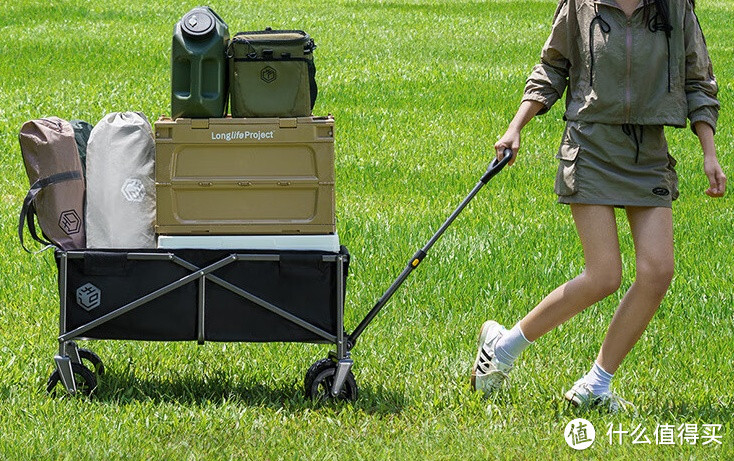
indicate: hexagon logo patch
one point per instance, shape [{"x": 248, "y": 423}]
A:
[
  {"x": 70, "y": 222},
  {"x": 133, "y": 190},
  {"x": 88, "y": 296},
  {"x": 268, "y": 74}
]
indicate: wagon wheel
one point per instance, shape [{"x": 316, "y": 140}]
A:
[
  {"x": 83, "y": 377},
  {"x": 93, "y": 359},
  {"x": 320, "y": 379}
]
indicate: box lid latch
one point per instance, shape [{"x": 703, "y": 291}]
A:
[
  {"x": 200, "y": 123},
  {"x": 288, "y": 122}
]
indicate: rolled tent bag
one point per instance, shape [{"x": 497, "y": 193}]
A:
[
  {"x": 56, "y": 196},
  {"x": 120, "y": 182}
]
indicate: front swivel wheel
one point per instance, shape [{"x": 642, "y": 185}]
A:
[
  {"x": 93, "y": 359},
  {"x": 84, "y": 379},
  {"x": 319, "y": 382}
]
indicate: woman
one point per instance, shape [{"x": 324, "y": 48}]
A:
[{"x": 628, "y": 67}]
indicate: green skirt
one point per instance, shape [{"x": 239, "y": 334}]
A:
[{"x": 618, "y": 165}]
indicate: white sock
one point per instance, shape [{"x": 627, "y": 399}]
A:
[
  {"x": 510, "y": 345},
  {"x": 598, "y": 379}
]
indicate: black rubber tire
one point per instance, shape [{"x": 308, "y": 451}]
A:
[
  {"x": 96, "y": 363},
  {"x": 320, "y": 378},
  {"x": 314, "y": 371},
  {"x": 85, "y": 380}
]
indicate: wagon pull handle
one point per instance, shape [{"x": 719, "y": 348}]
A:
[{"x": 494, "y": 167}]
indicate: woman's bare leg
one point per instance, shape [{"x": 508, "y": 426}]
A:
[
  {"x": 597, "y": 229},
  {"x": 652, "y": 232}
]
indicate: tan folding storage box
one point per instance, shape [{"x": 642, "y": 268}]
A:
[{"x": 245, "y": 176}]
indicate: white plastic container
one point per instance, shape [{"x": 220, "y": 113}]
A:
[{"x": 323, "y": 242}]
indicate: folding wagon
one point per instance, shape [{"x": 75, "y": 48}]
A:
[{"x": 216, "y": 295}]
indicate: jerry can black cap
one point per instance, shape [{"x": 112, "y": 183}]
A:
[{"x": 198, "y": 22}]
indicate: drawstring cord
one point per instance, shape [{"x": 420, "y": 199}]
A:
[
  {"x": 631, "y": 131},
  {"x": 656, "y": 25},
  {"x": 606, "y": 28}
]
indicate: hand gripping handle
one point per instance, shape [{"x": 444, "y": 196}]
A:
[{"x": 496, "y": 166}]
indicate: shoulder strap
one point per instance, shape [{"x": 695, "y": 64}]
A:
[{"x": 29, "y": 209}]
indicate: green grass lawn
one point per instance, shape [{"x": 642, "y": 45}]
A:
[{"x": 420, "y": 91}]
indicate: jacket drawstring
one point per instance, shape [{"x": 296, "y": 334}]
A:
[
  {"x": 631, "y": 131},
  {"x": 655, "y": 25},
  {"x": 606, "y": 28}
]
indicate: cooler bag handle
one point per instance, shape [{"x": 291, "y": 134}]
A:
[
  {"x": 239, "y": 37},
  {"x": 29, "y": 209}
]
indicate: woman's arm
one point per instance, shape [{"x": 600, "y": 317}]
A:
[
  {"x": 511, "y": 139},
  {"x": 549, "y": 78},
  {"x": 714, "y": 173},
  {"x": 700, "y": 84},
  {"x": 546, "y": 83}
]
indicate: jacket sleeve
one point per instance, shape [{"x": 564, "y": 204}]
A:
[
  {"x": 700, "y": 84},
  {"x": 549, "y": 78}
]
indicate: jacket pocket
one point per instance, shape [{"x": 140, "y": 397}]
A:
[{"x": 566, "y": 180}]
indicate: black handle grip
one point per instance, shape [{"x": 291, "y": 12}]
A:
[{"x": 496, "y": 165}]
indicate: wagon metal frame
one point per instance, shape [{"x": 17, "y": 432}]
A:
[
  {"x": 329, "y": 378},
  {"x": 69, "y": 353}
]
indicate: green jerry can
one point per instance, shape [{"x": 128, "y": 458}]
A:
[{"x": 199, "y": 65}]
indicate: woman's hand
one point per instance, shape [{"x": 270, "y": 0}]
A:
[
  {"x": 717, "y": 179},
  {"x": 510, "y": 140},
  {"x": 714, "y": 173}
]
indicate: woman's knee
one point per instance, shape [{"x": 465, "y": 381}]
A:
[
  {"x": 656, "y": 273},
  {"x": 603, "y": 283}
]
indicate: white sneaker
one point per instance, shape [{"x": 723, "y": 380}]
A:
[
  {"x": 580, "y": 395},
  {"x": 488, "y": 374}
]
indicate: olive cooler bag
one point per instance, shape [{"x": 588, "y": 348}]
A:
[{"x": 272, "y": 74}]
